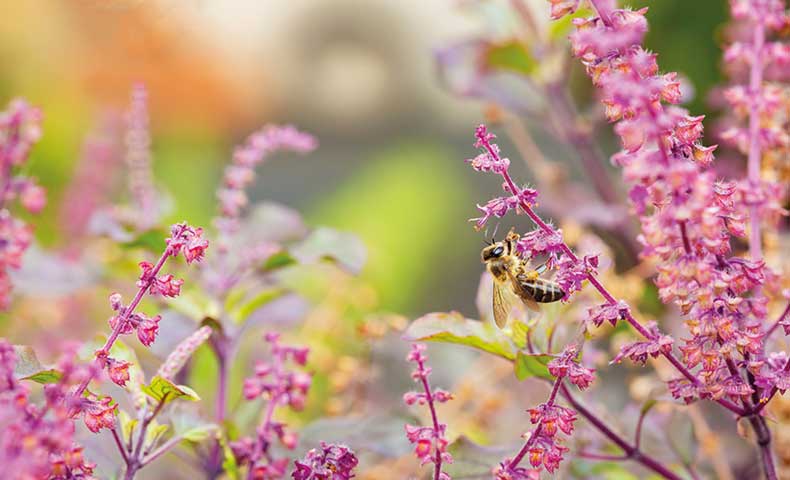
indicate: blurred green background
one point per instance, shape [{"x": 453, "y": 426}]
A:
[{"x": 359, "y": 75}]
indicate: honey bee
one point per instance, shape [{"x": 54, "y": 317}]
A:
[{"x": 510, "y": 270}]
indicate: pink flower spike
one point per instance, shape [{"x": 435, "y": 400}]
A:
[
  {"x": 280, "y": 386},
  {"x": 430, "y": 443}
]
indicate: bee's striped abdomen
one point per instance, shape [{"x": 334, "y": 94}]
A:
[{"x": 543, "y": 291}]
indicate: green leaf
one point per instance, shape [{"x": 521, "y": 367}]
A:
[
  {"x": 259, "y": 300},
  {"x": 454, "y": 328},
  {"x": 162, "y": 389},
  {"x": 529, "y": 365},
  {"x": 45, "y": 376},
  {"x": 278, "y": 260},
  {"x": 511, "y": 55}
]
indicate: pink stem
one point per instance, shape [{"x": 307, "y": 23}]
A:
[{"x": 437, "y": 471}]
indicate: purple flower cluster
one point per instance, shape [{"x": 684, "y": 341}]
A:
[
  {"x": 241, "y": 172},
  {"x": 543, "y": 447},
  {"x": 36, "y": 441},
  {"x": 430, "y": 442},
  {"x": 758, "y": 110},
  {"x": 280, "y": 386},
  {"x": 687, "y": 215},
  {"x": 330, "y": 462},
  {"x": 100, "y": 412},
  {"x": 489, "y": 160},
  {"x": 20, "y": 129},
  {"x": 226, "y": 270}
]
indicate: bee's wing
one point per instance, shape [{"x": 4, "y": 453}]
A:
[
  {"x": 523, "y": 294},
  {"x": 502, "y": 305}
]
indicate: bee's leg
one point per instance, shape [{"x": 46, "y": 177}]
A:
[{"x": 532, "y": 275}]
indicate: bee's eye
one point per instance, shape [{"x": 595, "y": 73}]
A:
[{"x": 498, "y": 251}]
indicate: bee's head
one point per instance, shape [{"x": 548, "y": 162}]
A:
[{"x": 493, "y": 251}]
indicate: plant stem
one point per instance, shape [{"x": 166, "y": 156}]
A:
[
  {"x": 437, "y": 462},
  {"x": 764, "y": 444},
  {"x": 632, "y": 452},
  {"x": 120, "y": 445}
]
